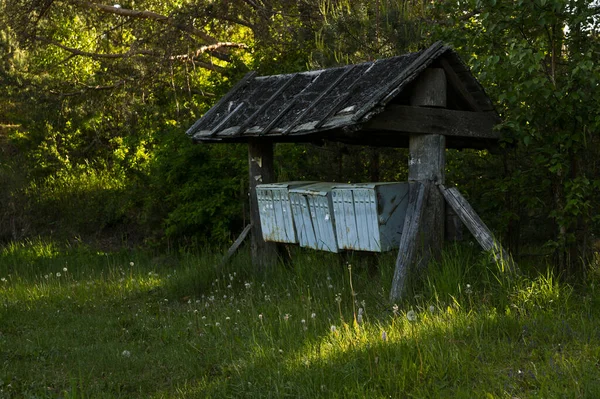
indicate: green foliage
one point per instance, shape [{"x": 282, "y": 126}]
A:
[
  {"x": 197, "y": 192},
  {"x": 538, "y": 61}
]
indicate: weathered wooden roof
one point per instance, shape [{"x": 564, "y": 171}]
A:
[{"x": 344, "y": 103}]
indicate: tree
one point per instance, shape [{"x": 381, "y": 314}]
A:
[{"x": 539, "y": 60}]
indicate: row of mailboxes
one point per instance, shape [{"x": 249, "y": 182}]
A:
[{"x": 333, "y": 216}]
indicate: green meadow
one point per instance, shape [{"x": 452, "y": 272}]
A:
[{"x": 77, "y": 323}]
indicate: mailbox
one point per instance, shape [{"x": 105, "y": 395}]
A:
[
  {"x": 312, "y": 208},
  {"x": 275, "y": 211},
  {"x": 369, "y": 216}
]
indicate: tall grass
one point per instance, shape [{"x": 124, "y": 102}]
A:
[{"x": 79, "y": 323}]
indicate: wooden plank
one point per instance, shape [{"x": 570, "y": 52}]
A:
[
  {"x": 267, "y": 103},
  {"x": 430, "y": 89},
  {"x": 458, "y": 85},
  {"x": 392, "y": 88},
  {"x": 343, "y": 98},
  {"x": 260, "y": 168},
  {"x": 250, "y": 75},
  {"x": 477, "y": 227},
  {"x": 409, "y": 242},
  {"x": 226, "y": 119},
  {"x": 232, "y": 250},
  {"x": 318, "y": 99},
  {"x": 277, "y": 118},
  {"x": 421, "y": 120}
]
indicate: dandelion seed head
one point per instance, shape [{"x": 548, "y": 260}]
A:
[
  {"x": 313, "y": 315},
  {"x": 58, "y": 274},
  {"x": 333, "y": 328},
  {"x": 217, "y": 324},
  {"x": 411, "y": 315},
  {"x": 126, "y": 353},
  {"x": 131, "y": 264},
  {"x": 65, "y": 269}
]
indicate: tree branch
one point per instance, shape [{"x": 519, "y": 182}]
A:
[
  {"x": 210, "y": 48},
  {"x": 75, "y": 51},
  {"x": 149, "y": 15}
]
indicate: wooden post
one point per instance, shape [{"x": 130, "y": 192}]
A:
[
  {"x": 260, "y": 168},
  {"x": 423, "y": 231},
  {"x": 409, "y": 242},
  {"x": 480, "y": 231},
  {"x": 427, "y": 162}
]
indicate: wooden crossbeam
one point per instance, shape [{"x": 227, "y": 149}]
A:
[{"x": 422, "y": 120}]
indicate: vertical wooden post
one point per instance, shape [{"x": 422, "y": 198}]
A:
[
  {"x": 426, "y": 166},
  {"x": 427, "y": 162},
  {"x": 260, "y": 168}
]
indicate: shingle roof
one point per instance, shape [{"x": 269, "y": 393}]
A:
[{"x": 285, "y": 107}]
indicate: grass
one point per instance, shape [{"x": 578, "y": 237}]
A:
[{"x": 75, "y": 323}]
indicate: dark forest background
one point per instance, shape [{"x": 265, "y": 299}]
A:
[{"x": 95, "y": 99}]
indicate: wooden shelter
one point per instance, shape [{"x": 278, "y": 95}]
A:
[{"x": 427, "y": 101}]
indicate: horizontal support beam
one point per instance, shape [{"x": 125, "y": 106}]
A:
[{"x": 421, "y": 120}]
